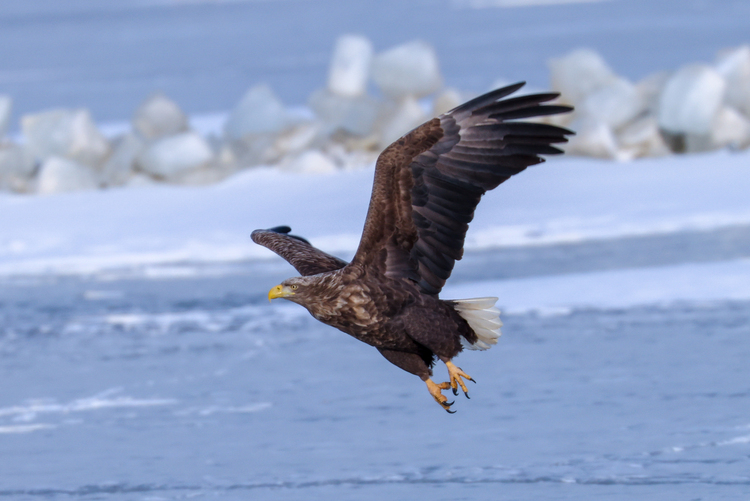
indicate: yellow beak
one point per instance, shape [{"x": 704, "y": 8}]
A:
[{"x": 279, "y": 291}]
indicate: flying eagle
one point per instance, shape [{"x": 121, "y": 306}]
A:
[{"x": 427, "y": 185}]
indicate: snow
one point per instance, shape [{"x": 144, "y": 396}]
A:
[{"x": 563, "y": 201}]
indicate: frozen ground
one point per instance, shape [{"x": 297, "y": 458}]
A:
[{"x": 141, "y": 360}]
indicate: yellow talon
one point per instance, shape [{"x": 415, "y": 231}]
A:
[
  {"x": 456, "y": 374},
  {"x": 435, "y": 391}
]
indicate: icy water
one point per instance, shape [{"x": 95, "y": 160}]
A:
[
  {"x": 179, "y": 387},
  {"x": 109, "y": 55}
]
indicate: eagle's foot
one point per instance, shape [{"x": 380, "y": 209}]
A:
[
  {"x": 435, "y": 391},
  {"x": 456, "y": 374}
]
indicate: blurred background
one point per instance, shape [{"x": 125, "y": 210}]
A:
[{"x": 143, "y": 140}]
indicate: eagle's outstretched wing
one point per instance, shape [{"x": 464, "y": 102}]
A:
[
  {"x": 305, "y": 258},
  {"x": 428, "y": 183}
]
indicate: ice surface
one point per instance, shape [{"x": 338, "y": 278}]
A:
[
  {"x": 59, "y": 174},
  {"x": 734, "y": 66},
  {"x": 641, "y": 138},
  {"x": 578, "y": 74},
  {"x": 350, "y": 66},
  {"x": 159, "y": 116},
  {"x": 406, "y": 115},
  {"x": 173, "y": 155},
  {"x": 410, "y": 69},
  {"x": 356, "y": 115},
  {"x": 119, "y": 166},
  {"x": 593, "y": 139},
  {"x": 691, "y": 99},
  {"x": 628, "y": 288},
  {"x": 259, "y": 111},
  {"x": 309, "y": 162},
  {"x": 614, "y": 104},
  {"x": 6, "y": 108},
  {"x": 65, "y": 133},
  {"x": 17, "y": 168},
  {"x": 446, "y": 101}
]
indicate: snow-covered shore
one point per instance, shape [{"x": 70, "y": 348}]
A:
[{"x": 564, "y": 200}]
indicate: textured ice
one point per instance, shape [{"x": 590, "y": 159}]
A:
[
  {"x": 691, "y": 99},
  {"x": 6, "y": 107},
  {"x": 159, "y": 116},
  {"x": 118, "y": 168},
  {"x": 58, "y": 174},
  {"x": 356, "y": 115},
  {"x": 259, "y": 111},
  {"x": 593, "y": 139},
  {"x": 579, "y": 74},
  {"x": 734, "y": 66},
  {"x": 17, "y": 168},
  {"x": 173, "y": 155},
  {"x": 614, "y": 104},
  {"x": 406, "y": 115},
  {"x": 410, "y": 69},
  {"x": 65, "y": 133},
  {"x": 350, "y": 66},
  {"x": 309, "y": 162}
]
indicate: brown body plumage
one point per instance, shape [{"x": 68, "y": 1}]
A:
[{"x": 427, "y": 185}]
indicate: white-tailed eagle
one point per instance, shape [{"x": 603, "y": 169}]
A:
[{"x": 427, "y": 185}]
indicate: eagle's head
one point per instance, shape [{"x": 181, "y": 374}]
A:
[{"x": 298, "y": 289}]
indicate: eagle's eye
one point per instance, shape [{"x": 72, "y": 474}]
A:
[{"x": 295, "y": 287}]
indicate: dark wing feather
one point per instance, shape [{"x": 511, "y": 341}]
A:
[
  {"x": 306, "y": 259},
  {"x": 428, "y": 183}
]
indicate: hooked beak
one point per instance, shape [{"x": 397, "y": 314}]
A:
[{"x": 279, "y": 291}]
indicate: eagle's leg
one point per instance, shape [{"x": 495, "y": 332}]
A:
[
  {"x": 455, "y": 374},
  {"x": 437, "y": 394},
  {"x": 411, "y": 362}
]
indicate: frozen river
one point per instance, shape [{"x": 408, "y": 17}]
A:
[
  {"x": 108, "y": 56},
  {"x": 129, "y": 387}
]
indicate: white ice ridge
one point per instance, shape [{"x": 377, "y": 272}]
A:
[{"x": 483, "y": 318}]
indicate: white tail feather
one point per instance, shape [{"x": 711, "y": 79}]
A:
[{"x": 483, "y": 318}]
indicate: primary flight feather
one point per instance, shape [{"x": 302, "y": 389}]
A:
[{"x": 427, "y": 185}]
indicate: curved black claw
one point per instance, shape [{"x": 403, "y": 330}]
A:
[
  {"x": 448, "y": 404},
  {"x": 450, "y": 411},
  {"x": 467, "y": 395},
  {"x": 472, "y": 380},
  {"x": 455, "y": 391}
]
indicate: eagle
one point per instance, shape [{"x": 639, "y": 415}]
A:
[{"x": 427, "y": 185}]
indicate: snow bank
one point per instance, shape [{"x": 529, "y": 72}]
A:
[{"x": 567, "y": 200}]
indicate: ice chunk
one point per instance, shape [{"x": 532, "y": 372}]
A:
[
  {"x": 410, "y": 69},
  {"x": 59, "y": 174},
  {"x": 650, "y": 89},
  {"x": 641, "y": 138},
  {"x": 615, "y": 104},
  {"x": 578, "y": 74},
  {"x": 731, "y": 129},
  {"x": 16, "y": 168},
  {"x": 446, "y": 101},
  {"x": 734, "y": 66},
  {"x": 407, "y": 115},
  {"x": 171, "y": 156},
  {"x": 350, "y": 66},
  {"x": 259, "y": 111},
  {"x": 310, "y": 162},
  {"x": 66, "y": 133},
  {"x": 6, "y": 107},
  {"x": 690, "y": 100},
  {"x": 158, "y": 116},
  {"x": 592, "y": 139},
  {"x": 118, "y": 168},
  {"x": 356, "y": 115}
]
